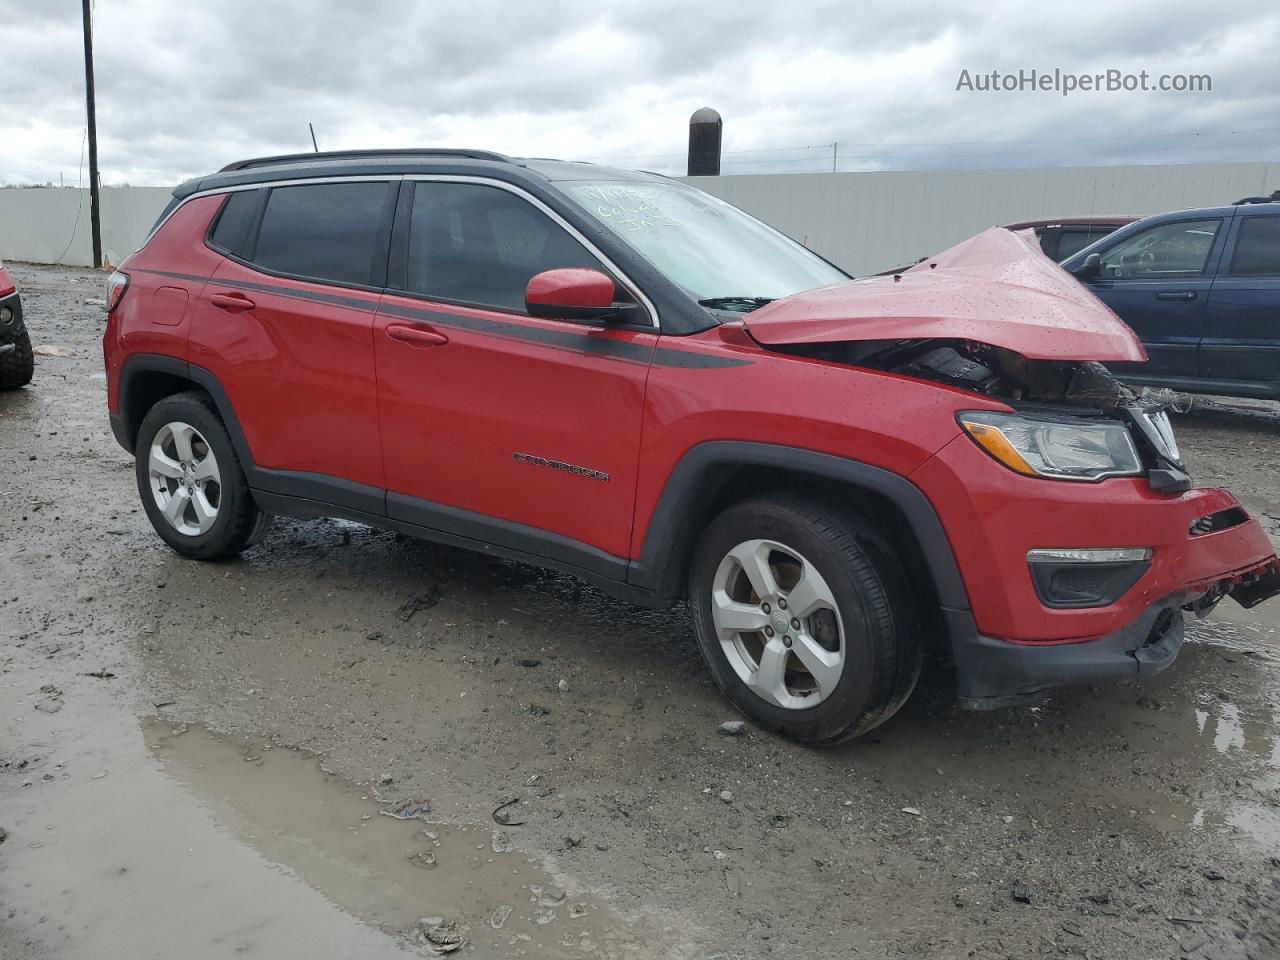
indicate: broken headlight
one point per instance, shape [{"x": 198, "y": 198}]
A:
[{"x": 1064, "y": 448}]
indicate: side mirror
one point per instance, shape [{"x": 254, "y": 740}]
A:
[
  {"x": 1090, "y": 268},
  {"x": 572, "y": 293}
]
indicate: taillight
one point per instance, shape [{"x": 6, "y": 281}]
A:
[{"x": 117, "y": 284}]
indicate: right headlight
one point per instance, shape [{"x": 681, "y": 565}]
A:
[{"x": 1063, "y": 448}]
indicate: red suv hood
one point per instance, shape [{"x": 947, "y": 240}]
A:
[{"x": 996, "y": 288}]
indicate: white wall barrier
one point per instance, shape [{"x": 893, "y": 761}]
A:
[{"x": 865, "y": 222}]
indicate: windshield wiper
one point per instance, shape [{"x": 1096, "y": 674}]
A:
[{"x": 740, "y": 304}]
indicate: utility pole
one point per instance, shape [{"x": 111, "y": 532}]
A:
[
  {"x": 835, "y": 149},
  {"x": 313, "y": 138},
  {"x": 95, "y": 212}
]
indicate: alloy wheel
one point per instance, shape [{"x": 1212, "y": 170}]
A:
[
  {"x": 778, "y": 624},
  {"x": 185, "y": 480}
]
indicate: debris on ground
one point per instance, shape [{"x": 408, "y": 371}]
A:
[
  {"x": 502, "y": 816},
  {"x": 733, "y": 728},
  {"x": 101, "y": 674},
  {"x": 499, "y": 916},
  {"x": 413, "y": 810},
  {"x": 529, "y": 662},
  {"x": 425, "y": 859},
  {"x": 913, "y": 811},
  {"x": 51, "y": 350},
  {"x": 419, "y": 601},
  {"x": 726, "y": 796},
  {"x": 1022, "y": 892},
  {"x": 444, "y": 936},
  {"x": 563, "y": 686}
]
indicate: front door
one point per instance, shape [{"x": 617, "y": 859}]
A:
[
  {"x": 498, "y": 426},
  {"x": 1158, "y": 282}
]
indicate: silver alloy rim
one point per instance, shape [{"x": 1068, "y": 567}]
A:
[
  {"x": 778, "y": 624},
  {"x": 185, "y": 480}
]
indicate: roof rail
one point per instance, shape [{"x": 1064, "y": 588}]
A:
[
  {"x": 1274, "y": 198},
  {"x": 364, "y": 155}
]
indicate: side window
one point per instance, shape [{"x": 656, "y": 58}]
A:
[
  {"x": 325, "y": 231},
  {"x": 1170, "y": 250},
  {"x": 1048, "y": 237},
  {"x": 481, "y": 245},
  {"x": 237, "y": 215},
  {"x": 1073, "y": 241},
  {"x": 1257, "y": 248}
]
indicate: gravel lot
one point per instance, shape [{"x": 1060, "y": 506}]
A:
[{"x": 194, "y": 758}]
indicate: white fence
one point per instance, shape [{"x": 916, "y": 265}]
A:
[
  {"x": 51, "y": 225},
  {"x": 864, "y": 222},
  {"x": 867, "y": 222}
]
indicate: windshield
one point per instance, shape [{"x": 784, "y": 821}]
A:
[{"x": 721, "y": 256}]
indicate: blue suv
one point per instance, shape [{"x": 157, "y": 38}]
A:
[{"x": 1201, "y": 288}]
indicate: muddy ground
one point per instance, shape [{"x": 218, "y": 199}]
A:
[{"x": 195, "y": 759}]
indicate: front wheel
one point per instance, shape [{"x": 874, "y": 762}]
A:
[
  {"x": 192, "y": 485},
  {"x": 805, "y": 617},
  {"x": 17, "y": 361}
]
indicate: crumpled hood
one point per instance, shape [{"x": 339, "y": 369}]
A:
[{"x": 996, "y": 288}]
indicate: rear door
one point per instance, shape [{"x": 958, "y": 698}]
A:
[
  {"x": 286, "y": 326},
  {"x": 496, "y": 425},
  {"x": 1242, "y": 327},
  {"x": 1158, "y": 281}
]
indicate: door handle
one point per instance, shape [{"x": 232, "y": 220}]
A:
[
  {"x": 416, "y": 336},
  {"x": 235, "y": 302},
  {"x": 1176, "y": 295}
]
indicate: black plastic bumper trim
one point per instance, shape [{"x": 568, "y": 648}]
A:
[{"x": 993, "y": 673}]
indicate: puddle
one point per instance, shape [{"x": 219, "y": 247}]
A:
[
  {"x": 388, "y": 872},
  {"x": 131, "y": 840}
]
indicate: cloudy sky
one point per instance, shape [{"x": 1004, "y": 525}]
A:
[{"x": 185, "y": 86}]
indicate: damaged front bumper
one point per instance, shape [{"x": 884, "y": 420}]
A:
[{"x": 993, "y": 673}]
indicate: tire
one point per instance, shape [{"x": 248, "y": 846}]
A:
[
  {"x": 214, "y": 474},
  {"x": 865, "y": 620},
  {"x": 18, "y": 365}
]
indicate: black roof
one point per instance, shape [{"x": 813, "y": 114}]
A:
[{"x": 301, "y": 166}]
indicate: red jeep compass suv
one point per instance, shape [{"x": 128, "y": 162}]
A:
[{"x": 618, "y": 376}]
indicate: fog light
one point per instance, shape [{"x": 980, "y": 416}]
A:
[
  {"x": 1086, "y": 577},
  {"x": 1083, "y": 555},
  {"x": 6, "y": 315}
]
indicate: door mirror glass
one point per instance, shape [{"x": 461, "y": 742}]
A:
[{"x": 571, "y": 293}]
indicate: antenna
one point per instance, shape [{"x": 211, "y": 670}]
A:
[{"x": 313, "y": 138}]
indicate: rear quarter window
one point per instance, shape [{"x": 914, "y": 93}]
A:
[{"x": 235, "y": 218}]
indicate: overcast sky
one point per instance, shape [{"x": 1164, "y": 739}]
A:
[{"x": 185, "y": 86}]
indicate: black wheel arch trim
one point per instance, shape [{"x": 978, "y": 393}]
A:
[{"x": 694, "y": 480}]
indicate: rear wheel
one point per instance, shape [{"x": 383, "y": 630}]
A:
[
  {"x": 17, "y": 365},
  {"x": 192, "y": 485},
  {"x": 805, "y": 617}
]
